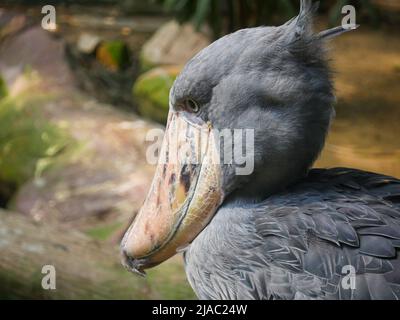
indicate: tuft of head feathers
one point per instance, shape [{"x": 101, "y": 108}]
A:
[
  {"x": 299, "y": 35},
  {"x": 301, "y": 27}
]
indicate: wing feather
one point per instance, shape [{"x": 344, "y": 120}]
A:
[{"x": 295, "y": 245}]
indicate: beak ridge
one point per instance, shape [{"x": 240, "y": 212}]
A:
[{"x": 184, "y": 195}]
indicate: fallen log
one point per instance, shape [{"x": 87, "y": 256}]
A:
[{"x": 85, "y": 268}]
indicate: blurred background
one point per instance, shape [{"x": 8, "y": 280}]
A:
[{"x": 76, "y": 103}]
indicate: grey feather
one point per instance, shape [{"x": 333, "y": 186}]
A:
[
  {"x": 302, "y": 261},
  {"x": 334, "y": 32},
  {"x": 377, "y": 246}
]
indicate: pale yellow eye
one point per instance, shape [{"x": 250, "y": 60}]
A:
[{"x": 191, "y": 105}]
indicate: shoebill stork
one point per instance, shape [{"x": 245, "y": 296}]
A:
[{"x": 284, "y": 231}]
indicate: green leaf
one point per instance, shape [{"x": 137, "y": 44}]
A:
[
  {"x": 169, "y": 5},
  {"x": 3, "y": 88},
  {"x": 202, "y": 9}
]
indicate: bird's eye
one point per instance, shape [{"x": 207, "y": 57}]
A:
[{"x": 191, "y": 105}]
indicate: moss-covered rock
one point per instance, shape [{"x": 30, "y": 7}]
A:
[
  {"x": 28, "y": 143},
  {"x": 151, "y": 92},
  {"x": 115, "y": 55}
]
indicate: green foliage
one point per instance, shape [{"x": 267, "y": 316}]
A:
[
  {"x": 104, "y": 232},
  {"x": 169, "y": 281},
  {"x": 226, "y": 16},
  {"x": 3, "y": 88},
  {"x": 28, "y": 143},
  {"x": 114, "y": 54}
]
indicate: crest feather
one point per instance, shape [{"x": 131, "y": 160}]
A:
[
  {"x": 301, "y": 27},
  {"x": 334, "y": 32},
  {"x": 304, "y": 21}
]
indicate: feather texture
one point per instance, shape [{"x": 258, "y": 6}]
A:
[{"x": 294, "y": 245}]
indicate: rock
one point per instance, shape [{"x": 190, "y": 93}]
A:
[
  {"x": 28, "y": 142},
  {"x": 151, "y": 92},
  {"x": 36, "y": 49},
  {"x": 172, "y": 44},
  {"x": 114, "y": 55},
  {"x": 87, "y": 43},
  {"x": 106, "y": 179},
  {"x": 86, "y": 268},
  {"x": 96, "y": 191}
]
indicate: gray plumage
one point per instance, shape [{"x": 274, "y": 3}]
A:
[
  {"x": 285, "y": 232},
  {"x": 295, "y": 244}
]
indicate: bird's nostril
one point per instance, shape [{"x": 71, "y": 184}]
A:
[{"x": 132, "y": 264}]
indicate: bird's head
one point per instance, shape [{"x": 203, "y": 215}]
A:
[{"x": 248, "y": 114}]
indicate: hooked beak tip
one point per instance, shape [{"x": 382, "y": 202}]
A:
[{"x": 131, "y": 264}]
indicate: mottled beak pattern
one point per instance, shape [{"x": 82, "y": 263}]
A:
[{"x": 184, "y": 195}]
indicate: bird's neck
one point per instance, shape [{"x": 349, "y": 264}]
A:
[{"x": 262, "y": 185}]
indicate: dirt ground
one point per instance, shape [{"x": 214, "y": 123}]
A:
[{"x": 366, "y": 131}]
